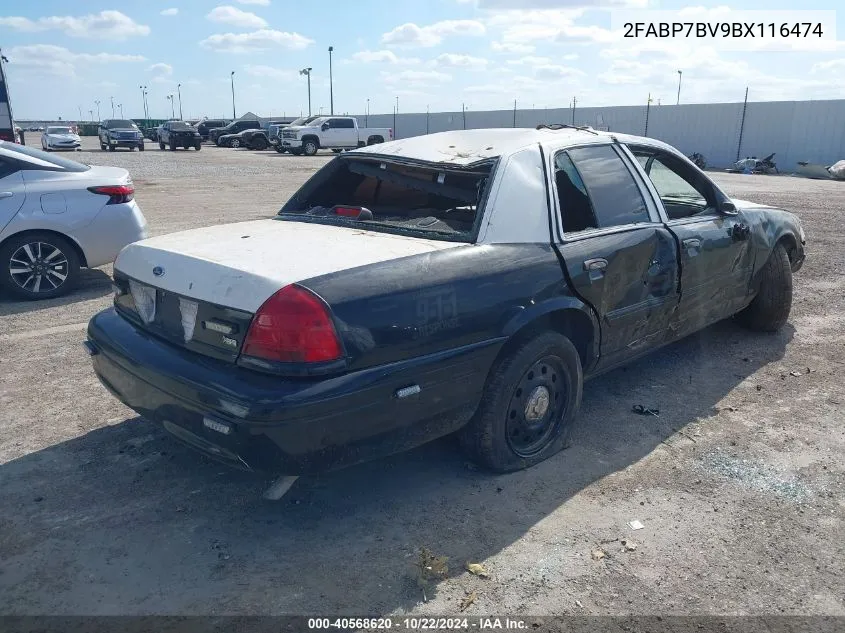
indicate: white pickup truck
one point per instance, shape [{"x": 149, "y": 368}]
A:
[{"x": 331, "y": 132}]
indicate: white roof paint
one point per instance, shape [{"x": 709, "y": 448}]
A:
[{"x": 241, "y": 265}]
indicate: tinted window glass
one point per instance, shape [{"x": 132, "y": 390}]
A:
[
  {"x": 7, "y": 168},
  {"x": 615, "y": 198},
  {"x": 572, "y": 196},
  {"x": 181, "y": 125},
  {"x": 341, "y": 123},
  {"x": 113, "y": 124}
]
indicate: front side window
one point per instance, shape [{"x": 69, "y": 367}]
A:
[
  {"x": 597, "y": 190},
  {"x": 681, "y": 189}
]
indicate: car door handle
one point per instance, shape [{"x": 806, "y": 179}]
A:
[
  {"x": 595, "y": 264},
  {"x": 692, "y": 242},
  {"x": 6, "y": 194}
]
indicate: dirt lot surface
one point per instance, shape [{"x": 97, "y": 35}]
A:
[{"x": 738, "y": 483}]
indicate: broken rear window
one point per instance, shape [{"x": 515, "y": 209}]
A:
[{"x": 431, "y": 201}]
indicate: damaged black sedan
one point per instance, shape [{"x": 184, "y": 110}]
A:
[{"x": 461, "y": 282}]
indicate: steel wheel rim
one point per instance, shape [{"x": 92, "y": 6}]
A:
[
  {"x": 536, "y": 407},
  {"x": 38, "y": 267}
]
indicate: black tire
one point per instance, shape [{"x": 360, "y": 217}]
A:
[
  {"x": 14, "y": 257},
  {"x": 496, "y": 436},
  {"x": 141, "y": 147},
  {"x": 337, "y": 151},
  {"x": 161, "y": 145},
  {"x": 769, "y": 310},
  {"x": 310, "y": 147},
  {"x": 280, "y": 149},
  {"x": 111, "y": 148},
  {"x": 198, "y": 146},
  {"x": 296, "y": 152},
  {"x": 172, "y": 146},
  {"x": 260, "y": 144},
  {"x": 103, "y": 147}
]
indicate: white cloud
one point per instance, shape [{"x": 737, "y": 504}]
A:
[
  {"x": 415, "y": 78},
  {"x": 557, "y": 4},
  {"x": 263, "y": 3},
  {"x": 173, "y": 11},
  {"x": 260, "y": 40},
  {"x": 382, "y": 56},
  {"x": 232, "y": 15},
  {"x": 111, "y": 25},
  {"x": 160, "y": 70},
  {"x": 529, "y": 60},
  {"x": 269, "y": 71},
  {"x": 552, "y": 71},
  {"x": 511, "y": 47},
  {"x": 56, "y": 60},
  {"x": 411, "y": 35},
  {"x": 829, "y": 65},
  {"x": 451, "y": 60}
]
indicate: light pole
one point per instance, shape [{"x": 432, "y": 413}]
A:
[
  {"x": 120, "y": 107},
  {"x": 146, "y": 102},
  {"x": 112, "y": 106},
  {"x": 97, "y": 101},
  {"x": 367, "y": 116},
  {"x": 179, "y": 90},
  {"x": 680, "y": 74},
  {"x": 307, "y": 73},
  {"x": 91, "y": 112},
  {"x": 172, "y": 111},
  {"x": 331, "y": 83},
  {"x": 143, "y": 100},
  {"x": 232, "y": 76}
]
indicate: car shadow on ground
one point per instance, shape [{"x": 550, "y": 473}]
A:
[
  {"x": 124, "y": 516},
  {"x": 92, "y": 284}
]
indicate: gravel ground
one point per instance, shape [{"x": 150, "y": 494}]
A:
[{"x": 738, "y": 482}]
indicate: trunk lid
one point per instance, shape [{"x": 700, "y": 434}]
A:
[{"x": 209, "y": 282}]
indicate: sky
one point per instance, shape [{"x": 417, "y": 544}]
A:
[{"x": 437, "y": 54}]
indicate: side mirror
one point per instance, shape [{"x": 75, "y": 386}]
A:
[
  {"x": 727, "y": 208},
  {"x": 324, "y": 127}
]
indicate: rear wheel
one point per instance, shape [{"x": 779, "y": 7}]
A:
[
  {"x": 235, "y": 143},
  {"x": 141, "y": 147},
  {"x": 172, "y": 146},
  {"x": 38, "y": 266},
  {"x": 770, "y": 309},
  {"x": 198, "y": 146},
  {"x": 160, "y": 145},
  {"x": 529, "y": 405},
  {"x": 260, "y": 143}
]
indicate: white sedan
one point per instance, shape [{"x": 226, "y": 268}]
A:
[
  {"x": 60, "y": 137},
  {"x": 56, "y": 216}
]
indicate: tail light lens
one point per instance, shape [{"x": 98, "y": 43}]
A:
[
  {"x": 293, "y": 326},
  {"x": 117, "y": 193}
]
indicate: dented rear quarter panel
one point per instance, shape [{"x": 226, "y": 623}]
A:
[
  {"x": 426, "y": 303},
  {"x": 769, "y": 225}
]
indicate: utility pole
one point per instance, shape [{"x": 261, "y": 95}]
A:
[
  {"x": 742, "y": 124},
  {"x": 647, "y": 108},
  {"x": 144, "y": 100},
  {"x": 307, "y": 73},
  {"x": 232, "y": 77},
  {"x": 172, "y": 111},
  {"x": 680, "y": 74},
  {"x": 331, "y": 83},
  {"x": 112, "y": 106},
  {"x": 574, "y": 101},
  {"x": 120, "y": 107},
  {"x": 91, "y": 112},
  {"x": 80, "y": 111},
  {"x": 97, "y": 101},
  {"x": 179, "y": 90}
]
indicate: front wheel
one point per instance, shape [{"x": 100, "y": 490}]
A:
[
  {"x": 770, "y": 309},
  {"x": 280, "y": 149},
  {"x": 38, "y": 266},
  {"x": 310, "y": 148},
  {"x": 111, "y": 148},
  {"x": 141, "y": 147},
  {"x": 260, "y": 144},
  {"x": 529, "y": 404},
  {"x": 161, "y": 145},
  {"x": 235, "y": 143},
  {"x": 198, "y": 146}
]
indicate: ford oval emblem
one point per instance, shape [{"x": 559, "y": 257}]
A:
[{"x": 158, "y": 271}]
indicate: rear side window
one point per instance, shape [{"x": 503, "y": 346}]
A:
[{"x": 612, "y": 193}]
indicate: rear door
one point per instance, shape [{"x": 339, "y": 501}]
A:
[
  {"x": 716, "y": 257},
  {"x": 618, "y": 256}
]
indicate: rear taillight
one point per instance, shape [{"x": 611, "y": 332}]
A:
[
  {"x": 117, "y": 193},
  {"x": 293, "y": 326}
]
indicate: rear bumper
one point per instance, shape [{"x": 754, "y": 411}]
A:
[
  {"x": 115, "y": 226},
  {"x": 293, "y": 426}
]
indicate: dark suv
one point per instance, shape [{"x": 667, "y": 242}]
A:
[
  {"x": 204, "y": 127},
  {"x": 233, "y": 128},
  {"x": 114, "y": 133},
  {"x": 179, "y": 134}
]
